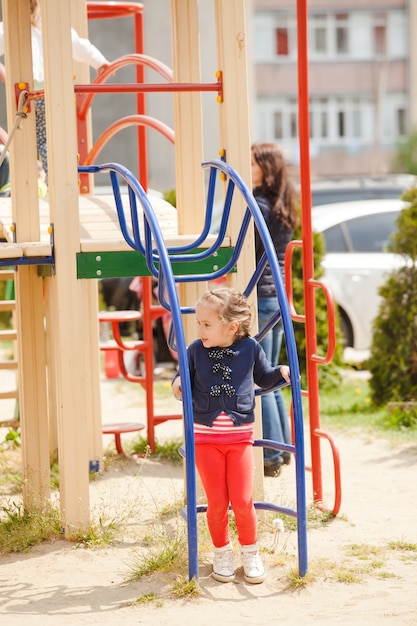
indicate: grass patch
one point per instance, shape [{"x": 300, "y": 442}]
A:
[
  {"x": 361, "y": 562},
  {"x": 184, "y": 588},
  {"x": 101, "y": 533},
  {"x": 11, "y": 481},
  {"x": 349, "y": 407},
  {"x": 147, "y": 598},
  {"x": 167, "y": 451},
  {"x": 167, "y": 555},
  {"x": 363, "y": 551},
  {"x": 315, "y": 518},
  {"x": 349, "y": 575},
  {"x": 164, "y": 546},
  {"x": 21, "y": 530},
  {"x": 12, "y": 439},
  {"x": 403, "y": 546},
  {"x": 400, "y": 418},
  {"x": 295, "y": 581}
]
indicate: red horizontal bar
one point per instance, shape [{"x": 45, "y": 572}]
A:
[
  {"x": 146, "y": 87},
  {"x": 137, "y": 88},
  {"x": 106, "y": 10}
]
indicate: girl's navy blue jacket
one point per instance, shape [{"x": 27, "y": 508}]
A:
[{"x": 223, "y": 379}]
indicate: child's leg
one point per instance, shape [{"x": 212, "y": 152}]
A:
[
  {"x": 240, "y": 467},
  {"x": 240, "y": 470},
  {"x": 211, "y": 465}
]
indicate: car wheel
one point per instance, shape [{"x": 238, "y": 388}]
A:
[{"x": 346, "y": 329}]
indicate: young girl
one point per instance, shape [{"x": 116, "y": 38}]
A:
[{"x": 224, "y": 364}]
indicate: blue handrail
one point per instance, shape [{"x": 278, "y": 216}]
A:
[{"x": 159, "y": 260}]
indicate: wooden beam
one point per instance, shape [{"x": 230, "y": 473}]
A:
[
  {"x": 188, "y": 125},
  {"x": 70, "y": 349},
  {"x": 28, "y": 285},
  {"x": 232, "y": 41}
]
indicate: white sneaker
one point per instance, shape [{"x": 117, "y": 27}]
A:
[
  {"x": 253, "y": 569},
  {"x": 223, "y": 564}
]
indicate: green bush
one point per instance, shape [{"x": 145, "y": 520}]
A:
[
  {"x": 171, "y": 196},
  {"x": 393, "y": 359},
  {"x": 406, "y": 157},
  {"x": 402, "y": 417}
]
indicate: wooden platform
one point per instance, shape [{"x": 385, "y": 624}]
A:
[{"x": 103, "y": 251}]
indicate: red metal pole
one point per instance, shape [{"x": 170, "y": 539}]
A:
[
  {"x": 307, "y": 249},
  {"x": 141, "y": 105}
]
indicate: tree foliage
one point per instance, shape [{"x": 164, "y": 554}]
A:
[
  {"x": 393, "y": 360},
  {"x": 406, "y": 157}
]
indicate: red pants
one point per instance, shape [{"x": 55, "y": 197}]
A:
[{"x": 226, "y": 472}]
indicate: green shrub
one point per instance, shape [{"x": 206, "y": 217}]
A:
[
  {"x": 406, "y": 157},
  {"x": 393, "y": 359},
  {"x": 171, "y": 196},
  {"x": 402, "y": 417}
]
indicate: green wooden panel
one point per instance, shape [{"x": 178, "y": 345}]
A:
[{"x": 132, "y": 263}]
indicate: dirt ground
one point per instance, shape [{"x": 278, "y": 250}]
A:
[{"x": 360, "y": 570}]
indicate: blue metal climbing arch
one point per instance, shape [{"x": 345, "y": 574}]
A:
[{"x": 161, "y": 263}]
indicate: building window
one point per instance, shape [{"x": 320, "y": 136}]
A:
[
  {"x": 318, "y": 34},
  {"x": 341, "y": 130},
  {"x": 323, "y": 125},
  {"x": 341, "y": 33},
  {"x": 293, "y": 125},
  {"x": 380, "y": 34},
  {"x": 282, "y": 41},
  {"x": 356, "y": 123},
  {"x": 345, "y": 122},
  {"x": 319, "y": 117},
  {"x": 278, "y": 125},
  {"x": 401, "y": 122}
]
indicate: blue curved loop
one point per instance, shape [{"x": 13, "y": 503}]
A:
[{"x": 160, "y": 261}]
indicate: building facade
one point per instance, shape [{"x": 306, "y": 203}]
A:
[{"x": 360, "y": 81}]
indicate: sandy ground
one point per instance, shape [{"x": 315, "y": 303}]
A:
[{"x": 357, "y": 572}]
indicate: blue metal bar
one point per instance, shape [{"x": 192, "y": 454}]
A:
[
  {"x": 168, "y": 294},
  {"x": 28, "y": 260},
  {"x": 291, "y": 353},
  {"x": 170, "y": 286}
]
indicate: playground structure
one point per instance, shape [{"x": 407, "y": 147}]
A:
[{"x": 64, "y": 359}]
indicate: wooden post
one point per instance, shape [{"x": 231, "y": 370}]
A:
[
  {"x": 188, "y": 138},
  {"x": 70, "y": 357},
  {"x": 29, "y": 292},
  {"x": 188, "y": 145},
  {"x": 89, "y": 303},
  {"x": 232, "y": 41}
]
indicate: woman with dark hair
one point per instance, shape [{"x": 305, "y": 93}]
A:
[{"x": 277, "y": 199}]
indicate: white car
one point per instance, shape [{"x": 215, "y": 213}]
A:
[{"x": 356, "y": 260}]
